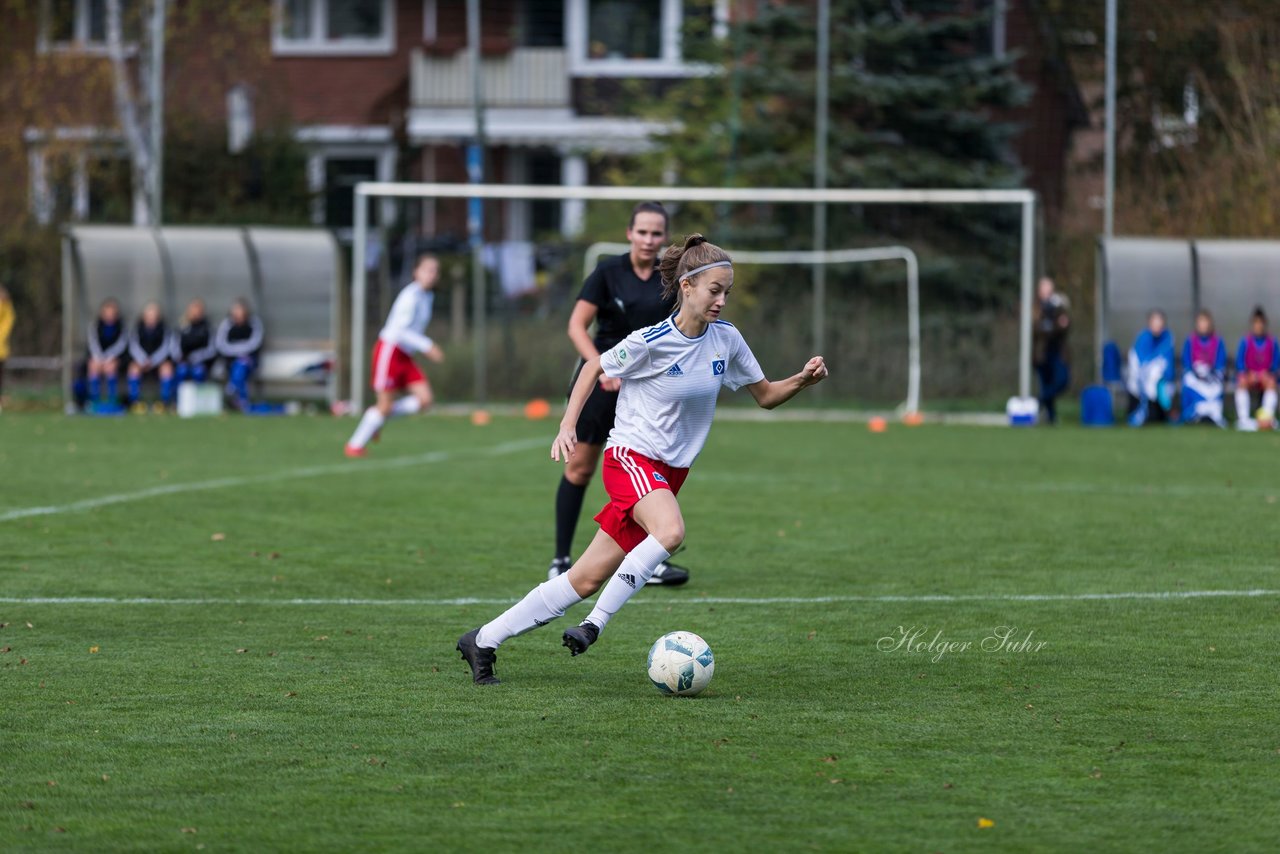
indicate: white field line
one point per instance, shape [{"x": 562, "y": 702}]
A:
[
  {"x": 348, "y": 467},
  {"x": 1167, "y": 595},
  {"x": 1049, "y": 487},
  {"x": 790, "y": 413}
]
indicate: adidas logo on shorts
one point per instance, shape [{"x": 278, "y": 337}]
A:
[
  {"x": 674, "y": 371},
  {"x": 629, "y": 579}
]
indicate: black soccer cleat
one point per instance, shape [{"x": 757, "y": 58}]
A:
[
  {"x": 479, "y": 657},
  {"x": 559, "y": 566},
  {"x": 580, "y": 637},
  {"x": 669, "y": 574}
]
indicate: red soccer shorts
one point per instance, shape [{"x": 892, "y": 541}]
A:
[
  {"x": 393, "y": 368},
  {"x": 628, "y": 477}
]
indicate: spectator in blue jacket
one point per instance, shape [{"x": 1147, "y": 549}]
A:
[{"x": 1149, "y": 378}]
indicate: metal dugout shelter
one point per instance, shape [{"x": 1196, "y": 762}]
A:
[{"x": 291, "y": 277}]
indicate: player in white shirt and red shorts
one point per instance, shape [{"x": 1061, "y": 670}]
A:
[
  {"x": 392, "y": 365},
  {"x": 673, "y": 372}
]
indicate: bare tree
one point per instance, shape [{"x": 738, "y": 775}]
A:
[{"x": 132, "y": 107}]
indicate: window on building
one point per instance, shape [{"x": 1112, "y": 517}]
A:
[
  {"x": 624, "y": 29},
  {"x": 540, "y": 23},
  {"x": 630, "y": 38},
  {"x": 334, "y": 26},
  {"x": 56, "y": 198},
  {"x": 78, "y": 185},
  {"x": 109, "y": 180},
  {"x": 82, "y": 24},
  {"x": 544, "y": 170},
  {"x": 341, "y": 174}
]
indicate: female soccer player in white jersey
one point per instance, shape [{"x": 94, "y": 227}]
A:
[
  {"x": 672, "y": 373},
  {"x": 392, "y": 364},
  {"x": 623, "y": 294}
]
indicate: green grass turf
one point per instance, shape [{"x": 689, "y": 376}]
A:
[{"x": 1141, "y": 725}]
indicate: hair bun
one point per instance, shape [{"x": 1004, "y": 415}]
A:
[{"x": 694, "y": 240}]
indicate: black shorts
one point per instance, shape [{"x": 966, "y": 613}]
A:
[{"x": 596, "y": 419}]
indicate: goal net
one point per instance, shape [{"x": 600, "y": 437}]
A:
[{"x": 910, "y": 310}]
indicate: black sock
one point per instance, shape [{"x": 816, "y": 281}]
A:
[{"x": 568, "y": 508}]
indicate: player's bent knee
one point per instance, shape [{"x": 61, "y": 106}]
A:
[
  {"x": 669, "y": 533},
  {"x": 585, "y": 585},
  {"x": 579, "y": 472}
]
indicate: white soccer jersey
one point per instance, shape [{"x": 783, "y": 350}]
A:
[
  {"x": 669, "y": 387},
  {"x": 408, "y": 319}
]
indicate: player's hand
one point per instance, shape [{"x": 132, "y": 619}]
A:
[
  {"x": 610, "y": 383},
  {"x": 814, "y": 371},
  {"x": 565, "y": 442},
  {"x": 435, "y": 354}
]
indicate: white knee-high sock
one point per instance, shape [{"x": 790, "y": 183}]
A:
[
  {"x": 369, "y": 424},
  {"x": 544, "y": 603},
  {"x": 405, "y": 406},
  {"x": 1242, "y": 405},
  {"x": 637, "y": 568},
  {"x": 1269, "y": 402}
]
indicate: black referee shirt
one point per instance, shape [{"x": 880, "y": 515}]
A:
[{"x": 625, "y": 302}]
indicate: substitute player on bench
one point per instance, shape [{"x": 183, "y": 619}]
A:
[
  {"x": 392, "y": 363},
  {"x": 624, "y": 293},
  {"x": 239, "y": 343},
  {"x": 192, "y": 347},
  {"x": 150, "y": 355},
  {"x": 672, "y": 374}
]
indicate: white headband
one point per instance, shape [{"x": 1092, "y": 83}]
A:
[{"x": 696, "y": 270}]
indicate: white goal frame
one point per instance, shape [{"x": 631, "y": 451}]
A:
[
  {"x": 831, "y": 256},
  {"x": 1025, "y": 199}
]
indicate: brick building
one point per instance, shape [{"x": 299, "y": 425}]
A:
[{"x": 381, "y": 89}]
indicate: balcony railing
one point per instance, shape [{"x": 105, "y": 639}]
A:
[{"x": 525, "y": 77}]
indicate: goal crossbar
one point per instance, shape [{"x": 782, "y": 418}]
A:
[
  {"x": 365, "y": 190},
  {"x": 830, "y": 256}
]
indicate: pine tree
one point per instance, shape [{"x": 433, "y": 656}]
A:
[{"x": 913, "y": 92}]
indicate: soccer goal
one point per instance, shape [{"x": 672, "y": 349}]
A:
[
  {"x": 762, "y": 228},
  {"x": 747, "y": 257}
]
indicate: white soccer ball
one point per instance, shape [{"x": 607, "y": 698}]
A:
[{"x": 681, "y": 663}]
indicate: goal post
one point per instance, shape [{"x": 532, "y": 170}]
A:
[
  {"x": 911, "y": 404},
  {"x": 1024, "y": 199}
]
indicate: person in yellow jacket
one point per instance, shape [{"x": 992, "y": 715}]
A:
[{"x": 6, "y": 326}]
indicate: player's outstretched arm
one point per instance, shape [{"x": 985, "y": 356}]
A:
[
  {"x": 567, "y": 439},
  {"x": 769, "y": 394}
]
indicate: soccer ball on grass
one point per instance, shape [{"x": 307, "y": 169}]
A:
[{"x": 681, "y": 663}]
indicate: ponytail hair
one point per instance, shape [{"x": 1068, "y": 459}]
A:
[{"x": 678, "y": 260}]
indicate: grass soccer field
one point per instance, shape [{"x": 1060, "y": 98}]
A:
[{"x": 223, "y": 635}]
